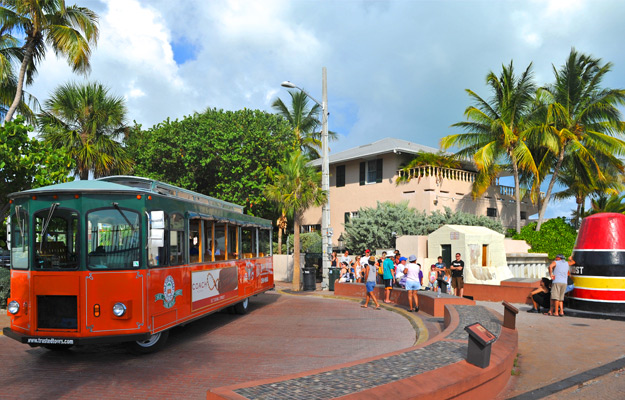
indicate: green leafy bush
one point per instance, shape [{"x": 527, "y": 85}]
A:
[
  {"x": 310, "y": 242},
  {"x": 5, "y": 286},
  {"x": 555, "y": 237},
  {"x": 373, "y": 227}
]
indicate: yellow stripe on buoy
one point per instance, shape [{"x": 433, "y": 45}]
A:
[{"x": 599, "y": 282}]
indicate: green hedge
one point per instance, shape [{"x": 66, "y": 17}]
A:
[
  {"x": 555, "y": 237},
  {"x": 5, "y": 286}
]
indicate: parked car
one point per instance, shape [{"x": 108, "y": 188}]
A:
[{"x": 5, "y": 258}]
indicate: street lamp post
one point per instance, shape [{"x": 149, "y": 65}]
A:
[{"x": 326, "y": 231}]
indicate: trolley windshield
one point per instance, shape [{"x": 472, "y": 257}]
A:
[{"x": 113, "y": 239}]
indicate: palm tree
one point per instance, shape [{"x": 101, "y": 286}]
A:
[
  {"x": 603, "y": 204},
  {"x": 496, "y": 131},
  {"x": 86, "y": 121},
  {"x": 579, "y": 181},
  {"x": 581, "y": 118},
  {"x": 296, "y": 187},
  {"x": 69, "y": 31},
  {"x": 304, "y": 121},
  {"x": 10, "y": 55}
]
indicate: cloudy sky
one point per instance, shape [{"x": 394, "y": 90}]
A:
[{"x": 395, "y": 68}]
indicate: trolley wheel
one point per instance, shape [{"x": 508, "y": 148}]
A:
[
  {"x": 58, "y": 347},
  {"x": 150, "y": 345},
  {"x": 242, "y": 307}
]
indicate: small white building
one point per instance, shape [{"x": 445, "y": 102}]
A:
[{"x": 481, "y": 249}]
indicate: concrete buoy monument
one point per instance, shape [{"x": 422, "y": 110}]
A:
[{"x": 599, "y": 270}]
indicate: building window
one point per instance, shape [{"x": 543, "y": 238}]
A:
[
  {"x": 371, "y": 171},
  {"x": 491, "y": 212},
  {"x": 310, "y": 228},
  {"x": 340, "y": 176},
  {"x": 349, "y": 215},
  {"x": 524, "y": 215}
]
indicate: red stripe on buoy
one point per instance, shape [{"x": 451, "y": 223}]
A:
[
  {"x": 605, "y": 295},
  {"x": 602, "y": 231}
]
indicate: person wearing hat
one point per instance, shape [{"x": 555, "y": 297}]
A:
[
  {"x": 559, "y": 272},
  {"x": 413, "y": 282},
  {"x": 399, "y": 271},
  {"x": 370, "y": 276}
]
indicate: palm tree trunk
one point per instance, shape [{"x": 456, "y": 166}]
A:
[
  {"x": 517, "y": 194},
  {"x": 556, "y": 170},
  {"x": 279, "y": 240},
  {"x": 28, "y": 55},
  {"x": 296, "y": 266}
]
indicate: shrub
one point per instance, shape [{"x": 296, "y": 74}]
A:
[
  {"x": 555, "y": 237},
  {"x": 5, "y": 286},
  {"x": 373, "y": 227}
]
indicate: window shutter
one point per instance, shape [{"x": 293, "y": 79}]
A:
[
  {"x": 378, "y": 170},
  {"x": 340, "y": 176},
  {"x": 362, "y": 173}
]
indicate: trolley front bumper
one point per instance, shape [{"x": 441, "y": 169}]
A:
[{"x": 72, "y": 341}]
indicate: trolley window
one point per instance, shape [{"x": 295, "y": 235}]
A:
[
  {"x": 19, "y": 239},
  {"x": 264, "y": 242},
  {"x": 158, "y": 236},
  {"x": 248, "y": 242},
  {"x": 56, "y": 238},
  {"x": 176, "y": 239},
  {"x": 220, "y": 242},
  {"x": 233, "y": 242},
  {"x": 195, "y": 241},
  {"x": 113, "y": 240}
]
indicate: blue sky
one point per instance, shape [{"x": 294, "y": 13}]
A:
[{"x": 395, "y": 68}]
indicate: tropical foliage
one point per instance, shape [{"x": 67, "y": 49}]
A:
[
  {"x": 295, "y": 186},
  {"x": 88, "y": 123},
  {"x": 555, "y": 237},
  {"x": 48, "y": 24},
  {"x": 581, "y": 120},
  {"x": 304, "y": 120},
  {"x": 496, "y": 131},
  {"x": 26, "y": 163},
  {"x": 373, "y": 227},
  {"x": 219, "y": 153}
]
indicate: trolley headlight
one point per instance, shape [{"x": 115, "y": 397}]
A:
[
  {"x": 13, "y": 307},
  {"x": 119, "y": 309}
]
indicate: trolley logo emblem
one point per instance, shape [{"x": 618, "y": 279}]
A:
[{"x": 169, "y": 293}]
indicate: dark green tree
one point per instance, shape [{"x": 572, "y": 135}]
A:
[
  {"x": 27, "y": 163},
  {"x": 219, "y": 153}
]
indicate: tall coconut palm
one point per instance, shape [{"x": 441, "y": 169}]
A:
[
  {"x": 296, "y": 187},
  {"x": 496, "y": 131},
  {"x": 69, "y": 31},
  {"x": 582, "y": 119},
  {"x": 580, "y": 181},
  {"x": 86, "y": 121},
  {"x": 304, "y": 121},
  {"x": 11, "y": 55}
]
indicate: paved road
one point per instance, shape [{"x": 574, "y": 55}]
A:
[
  {"x": 557, "y": 350},
  {"x": 281, "y": 335}
]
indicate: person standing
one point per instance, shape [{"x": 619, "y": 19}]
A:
[
  {"x": 399, "y": 271},
  {"x": 559, "y": 272},
  {"x": 440, "y": 277},
  {"x": 345, "y": 258},
  {"x": 334, "y": 262},
  {"x": 413, "y": 282},
  {"x": 457, "y": 276},
  {"x": 388, "y": 273},
  {"x": 370, "y": 275}
]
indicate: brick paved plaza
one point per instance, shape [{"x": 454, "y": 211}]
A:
[{"x": 281, "y": 335}]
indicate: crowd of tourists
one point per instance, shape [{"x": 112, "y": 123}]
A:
[
  {"x": 550, "y": 294},
  {"x": 398, "y": 271}
]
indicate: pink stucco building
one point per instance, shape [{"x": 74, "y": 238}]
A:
[{"x": 364, "y": 175}]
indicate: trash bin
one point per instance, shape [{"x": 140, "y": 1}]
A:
[
  {"x": 310, "y": 280},
  {"x": 333, "y": 275}
]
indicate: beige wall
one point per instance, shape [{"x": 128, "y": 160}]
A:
[{"x": 425, "y": 194}]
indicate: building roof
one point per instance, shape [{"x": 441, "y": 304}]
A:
[{"x": 382, "y": 146}]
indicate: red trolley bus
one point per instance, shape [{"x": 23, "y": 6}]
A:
[{"x": 124, "y": 259}]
